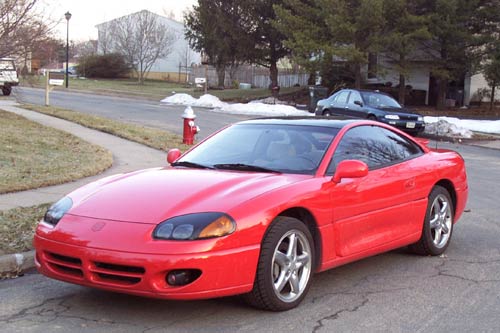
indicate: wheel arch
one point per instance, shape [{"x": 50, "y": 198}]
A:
[
  {"x": 305, "y": 216},
  {"x": 448, "y": 185}
]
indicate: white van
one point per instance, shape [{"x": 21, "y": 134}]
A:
[{"x": 8, "y": 75}]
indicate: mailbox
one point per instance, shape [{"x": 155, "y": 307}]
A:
[{"x": 56, "y": 78}]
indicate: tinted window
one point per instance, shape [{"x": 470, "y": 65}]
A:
[
  {"x": 342, "y": 98},
  {"x": 375, "y": 146},
  {"x": 378, "y": 100},
  {"x": 284, "y": 148},
  {"x": 355, "y": 96}
]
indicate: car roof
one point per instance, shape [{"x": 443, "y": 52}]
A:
[{"x": 333, "y": 122}]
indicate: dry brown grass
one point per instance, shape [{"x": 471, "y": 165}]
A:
[
  {"x": 33, "y": 156},
  {"x": 17, "y": 227}
]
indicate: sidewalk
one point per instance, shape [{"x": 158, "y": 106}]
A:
[{"x": 127, "y": 156}]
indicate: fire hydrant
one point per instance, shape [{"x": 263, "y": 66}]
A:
[{"x": 190, "y": 129}]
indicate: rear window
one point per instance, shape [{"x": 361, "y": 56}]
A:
[{"x": 7, "y": 65}]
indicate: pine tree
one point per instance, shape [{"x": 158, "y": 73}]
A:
[
  {"x": 322, "y": 30},
  {"x": 403, "y": 32}
]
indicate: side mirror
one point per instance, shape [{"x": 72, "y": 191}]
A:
[
  {"x": 173, "y": 155},
  {"x": 358, "y": 103},
  {"x": 350, "y": 169}
]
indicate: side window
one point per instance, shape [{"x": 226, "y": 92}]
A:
[
  {"x": 355, "y": 96},
  {"x": 341, "y": 99},
  {"x": 375, "y": 146}
]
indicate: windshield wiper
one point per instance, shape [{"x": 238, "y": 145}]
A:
[
  {"x": 191, "y": 165},
  {"x": 243, "y": 167}
]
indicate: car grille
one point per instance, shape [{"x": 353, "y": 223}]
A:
[
  {"x": 408, "y": 117},
  {"x": 107, "y": 273},
  {"x": 64, "y": 265}
]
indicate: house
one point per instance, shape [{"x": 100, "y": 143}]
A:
[
  {"x": 380, "y": 70},
  {"x": 175, "y": 66}
]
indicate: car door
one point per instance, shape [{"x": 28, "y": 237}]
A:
[
  {"x": 354, "y": 105},
  {"x": 339, "y": 106},
  {"x": 378, "y": 209}
]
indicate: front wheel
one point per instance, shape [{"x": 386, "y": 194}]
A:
[
  {"x": 327, "y": 113},
  {"x": 438, "y": 224},
  {"x": 6, "y": 90},
  {"x": 285, "y": 266}
]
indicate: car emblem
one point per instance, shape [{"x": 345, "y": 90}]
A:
[{"x": 98, "y": 226}]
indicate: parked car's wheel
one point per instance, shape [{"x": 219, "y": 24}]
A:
[
  {"x": 286, "y": 262},
  {"x": 371, "y": 117},
  {"x": 6, "y": 90},
  {"x": 327, "y": 113},
  {"x": 438, "y": 224}
]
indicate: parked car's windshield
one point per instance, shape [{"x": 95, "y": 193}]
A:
[
  {"x": 263, "y": 148},
  {"x": 378, "y": 100}
]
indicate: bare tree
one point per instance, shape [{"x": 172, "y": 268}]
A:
[
  {"x": 105, "y": 42},
  {"x": 142, "y": 38},
  {"x": 84, "y": 48},
  {"x": 186, "y": 58},
  {"x": 21, "y": 27}
]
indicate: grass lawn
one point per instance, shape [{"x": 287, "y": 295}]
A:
[
  {"x": 148, "y": 136},
  {"x": 32, "y": 155},
  {"x": 17, "y": 227},
  {"x": 152, "y": 89}
]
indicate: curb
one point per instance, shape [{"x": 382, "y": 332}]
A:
[{"x": 13, "y": 265}]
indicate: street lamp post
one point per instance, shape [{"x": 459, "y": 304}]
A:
[{"x": 67, "y": 16}]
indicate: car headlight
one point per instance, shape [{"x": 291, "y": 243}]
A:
[
  {"x": 391, "y": 116},
  {"x": 195, "y": 226},
  {"x": 420, "y": 118},
  {"x": 56, "y": 212}
]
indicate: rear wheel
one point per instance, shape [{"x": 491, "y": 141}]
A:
[
  {"x": 285, "y": 266},
  {"x": 438, "y": 224},
  {"x": 6, "y": 90}
]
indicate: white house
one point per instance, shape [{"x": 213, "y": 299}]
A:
[
  {"x": 175, "y": 66},
  {"x": 463, "y": 92}
]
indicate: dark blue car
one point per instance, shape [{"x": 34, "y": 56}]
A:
[{"x": 373, "y": 105}]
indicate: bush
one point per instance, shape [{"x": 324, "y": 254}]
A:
[{"x": 109, "y": 66}]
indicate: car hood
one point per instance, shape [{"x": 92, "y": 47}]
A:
[
  {"x": 154, "y": 195},
  {"x": 397, "y": 111}
]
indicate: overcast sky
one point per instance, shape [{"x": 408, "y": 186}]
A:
[{"x": 86, "y": 14}]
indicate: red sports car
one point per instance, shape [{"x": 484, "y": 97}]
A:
[{"x": 256, "y": 209}]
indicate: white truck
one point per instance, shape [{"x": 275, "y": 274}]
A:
[{"x": 8, "y": 75}]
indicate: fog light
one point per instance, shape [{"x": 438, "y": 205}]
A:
[{"x": 181, "y": 277}]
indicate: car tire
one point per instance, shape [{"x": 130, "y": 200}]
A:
[
  {"x": 284, "y": 271},
  {"x": 6, "y": 90},
  {"x": 438, "y": 224},
  {"x": 327, "y": 113},
  {"x": 371, "y": 117}
]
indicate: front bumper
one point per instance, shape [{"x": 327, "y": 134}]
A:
[
  {"x": 223, "y": 273},
  {"x": 405, "y": 125}
]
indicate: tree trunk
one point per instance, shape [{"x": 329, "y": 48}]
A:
[
  {"x": 221, "y": 75},
  {"x": 441, "y": 97},
  {"x": 357, "y": 76},
  {"x": 273, "y": 74},
  {"x": 492, "y": 99},
  {"x": 402, "y": 89}
]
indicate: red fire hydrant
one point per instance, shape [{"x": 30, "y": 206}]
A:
[{"x": 190, "y": 129}]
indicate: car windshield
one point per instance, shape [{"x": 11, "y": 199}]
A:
[
  {"x": 263, "y": 148},
  {"x": 7, "y": 65},
  {"x": 378, "y": 100}
]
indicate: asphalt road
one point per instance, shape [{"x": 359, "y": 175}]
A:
[
  {"x": 140, "y": 111},
  {"x": 392, "y": 292}
]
